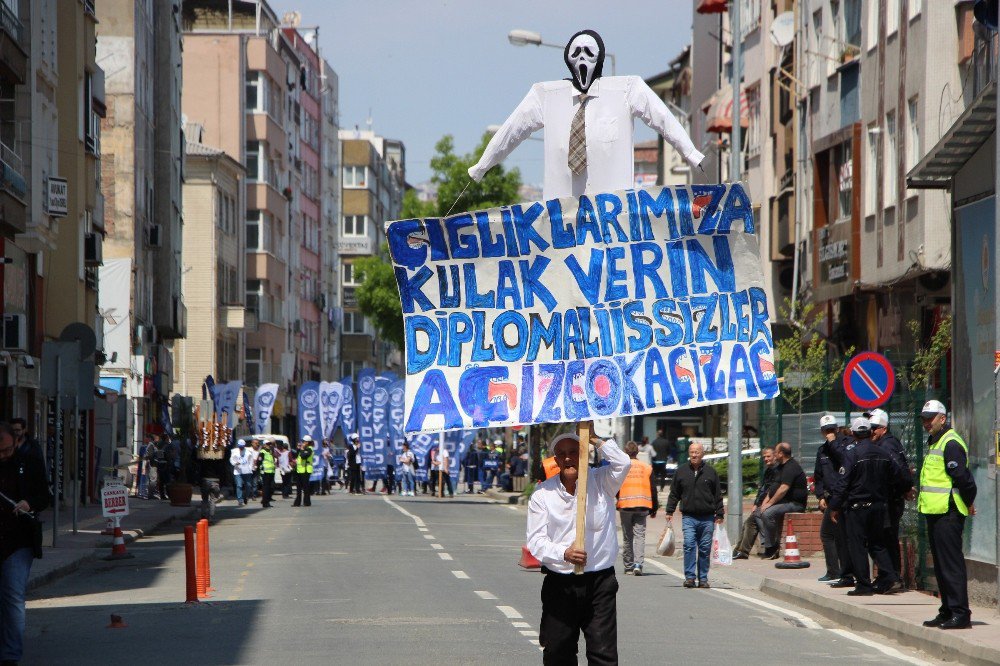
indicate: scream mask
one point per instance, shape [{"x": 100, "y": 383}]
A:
[{"x": 584, "y": 55}]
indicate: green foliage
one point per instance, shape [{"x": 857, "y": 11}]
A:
[
  {"x": 927, "y": 360},
  {"x": 378, "y": 297},
  {"x": 528, "y": 489},
  {"x": 413, "y": 207},
  {"x": 807, "y": 357},
  {"x": 451, "y": 173},
  {"x": 751, "y": 472}
]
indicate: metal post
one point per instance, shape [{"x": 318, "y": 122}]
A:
[
  {"x": 76, "y": 463},
  {"x": 996, "y": 280},
  {"x": 57, "y": 448},
  {"x": 735, "y": 512}
]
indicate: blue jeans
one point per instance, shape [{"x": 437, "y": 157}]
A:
[
  {"x": 697, "y": 546},
  {"x": 486, "y": 478},
  {"x": 407, "y": 481},
  {"x": 13, "y": 588},
  {"x": 244, "y": 486}
]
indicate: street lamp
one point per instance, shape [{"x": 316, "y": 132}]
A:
[{"x": 528, "y": 38}]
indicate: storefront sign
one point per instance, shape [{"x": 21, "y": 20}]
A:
[{"x": 57, "y": 199}]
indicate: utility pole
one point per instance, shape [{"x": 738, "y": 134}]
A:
[{"x": 735, "y": 513}]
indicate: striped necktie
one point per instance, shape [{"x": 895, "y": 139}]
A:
[{"x": 577, "y": 160}]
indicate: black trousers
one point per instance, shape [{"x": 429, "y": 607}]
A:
[
  {"x": 830, "y": 535},
  {"x": 268, "y": 482},
  {"x": 892, "y": 536},
  {"x": 571, "y": 603},
  {"x": 843, "y": 552},
  {"x": 944, "y": 532},
  {"x": 866, "y": 537},
  {"x": 286, "y": 484},
  {"x": 354, "y": 479},
  {"x": 445, "y": 483},
  {"x": 302, "y": 488}
]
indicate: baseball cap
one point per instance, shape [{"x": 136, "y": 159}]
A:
[
  {"x": 354, "y": 436},
  {"x": 827, "y": 421},
  {"x": 241, "y": 443},
  {"x": 559, "y": 438},
  {"x": 878, "y": 418},
  {"x": 307, "y": 438},
  {"x": 860, "y": 424},
  {"x": 933, "y": 408}
]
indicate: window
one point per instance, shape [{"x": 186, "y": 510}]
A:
[
  {"x": 355, "y": 176},
  {"x": 354, "y": 225},
  {"x": 260, "y": 166},
  {"x": 348, "y": 270},
  {"x": 891, "y": 16},
  {"x": 889, "y": 165},
  {"x": 852, "y": 23},
  {"x": 347, "y": 369},
  {"x": 753, "y": 123},
  {"x": 254, "y": 90},
  {"x": 354, "y": 322},
  {"x": 912, "y": 133},
  {"x": 845, "y": 181},
  {"x": 253, "y": 160},
  {"x": 253, "y": 367},
  {"x": 871, "y": 169},
  {"x": 915, "y": 6},
  {"x": 871, "y": 25}
]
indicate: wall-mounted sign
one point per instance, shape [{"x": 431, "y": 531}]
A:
[
  {"x": 834, "y": 256},
  {"x": 57, "y": 197}
]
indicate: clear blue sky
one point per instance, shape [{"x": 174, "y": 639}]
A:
[{"x": 426, "y": 68}]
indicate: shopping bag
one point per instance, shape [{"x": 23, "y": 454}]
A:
[
  {"x": 666, "y": 544},
  {"x": 722, "y": 552}
]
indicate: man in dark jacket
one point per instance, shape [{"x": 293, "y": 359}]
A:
[
  {"x": 354, "y": 465},
  {"x": 788, "y": 494},
  {"x": 470, "y": 463},
  {"x": 696, "y": 487},
  {"x": 749, "y": 532},
  {"x": 24, "y": 493},
  {"x": 897, "y": 498},
  {"x": 829, "y": 462}
]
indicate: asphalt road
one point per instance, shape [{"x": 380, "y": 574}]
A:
[{"x": 355, "y": 580}]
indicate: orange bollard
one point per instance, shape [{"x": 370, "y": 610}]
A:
[
  {"x": 201, "y": 561},
  {"x": 189, "y": 566},
  {"x": 208, "y": 559}
]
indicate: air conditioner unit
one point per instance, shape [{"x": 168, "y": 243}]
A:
[
  {"x": 154, "y": 235},
  {"x": 15, "y": 332},
  {"x": 93, "y": 249}
]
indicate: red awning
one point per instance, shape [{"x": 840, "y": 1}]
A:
[
  {"x": 719, "y": 111},
  {"x": 712, "y": 6}
]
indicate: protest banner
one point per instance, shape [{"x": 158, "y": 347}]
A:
[
  {"x": 374, "y": 463},
  {"x": 309, "y": 423},
  {"x": 263, "y": 402},
  {"x": 348, "y": 421},
  {"x": 571, "y": 309},
  {"x": 397, "y": 400},
  {"x": 331, "y": 395}
]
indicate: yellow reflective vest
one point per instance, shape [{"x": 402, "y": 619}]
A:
[
  {"x": 304, "y": 461},
  {"x": 935, "y": 484}
]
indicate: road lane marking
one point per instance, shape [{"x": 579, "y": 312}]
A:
[
  {"x": 805, "y": 621},
  {"x": 520, "y": 625},
  {"x": 512, "y": 507},
  {"x": 429, "y": 536},
  {"x": 416, "y": 519},
  {"x": 445, "y": 556},
  {"x": 510, "y": 612},
  {"x": 525, "y": 632},
  {"x": 483, "y": 594},
  {"x": 884, "y": 649},
  {"x": 422, "y": 529},
  {"x": 461, "y": 575},
  {"x": 437, "y": 546}
]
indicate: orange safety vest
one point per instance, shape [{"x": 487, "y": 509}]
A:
[
  {"x": 635, "y": 492},
  {"x": 550, "y": 466}
]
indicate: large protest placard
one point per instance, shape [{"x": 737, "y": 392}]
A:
[{"x": 569, "y": 309}]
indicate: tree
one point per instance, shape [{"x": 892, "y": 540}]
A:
[
  {"x": 808, "y": 361},
  {"x": 378, "y": 296},
  {"x": 927, "y": 360}
]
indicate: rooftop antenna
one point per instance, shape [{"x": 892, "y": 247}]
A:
[{"x": 369, "y": 121}]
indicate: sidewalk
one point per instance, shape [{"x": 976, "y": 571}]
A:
[{"x": 74, "y": 549}]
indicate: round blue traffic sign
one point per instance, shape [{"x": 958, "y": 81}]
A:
[{"x": 869, "y": 380}]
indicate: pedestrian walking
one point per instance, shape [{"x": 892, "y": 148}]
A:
[
  {"x": 827, "y": 471},
  {"x": 947, "y": 496},
  {"x": 882, "y": 436},
  {"x": 255, "y": 481},
  {"x": 788, "y": 496},
  {"x": 440, "y": 464},
  {"x": 407, "y": 470},
  {"x": 587, "y": 602},
  {"x": 267, "y": 469},
  {"x": 470, "y": 465},
  {"x": 697, "y": 489},
  {"x": 354, "y": 465},
  {"x": 860, "y": 497},
  {"x": 749, "y": 530},
  {"x": 637, "y": 500},
  {"x": 303, "y": 470},
  {"x": 647, "y": 452},
  {"x": 25, "y": 493},
  {"x": 242, "y": 463}
]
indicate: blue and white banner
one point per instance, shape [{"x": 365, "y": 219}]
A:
[
  {"x": 348, "y": 409},
  {"x": 374, "y": 462},
  {"x": 225, "y": 401},
  {"x": 248, "y": 412},
  {"x": 397, "y": 407},
  {"x": 456, "y": 443},
  {"x": 331, "y": 395},
  {"x": 319, "y": 462},
  {"x": 605, "y": 305},
  {"x": 263, "y": 405},
  {"x": 309, "y": 418},
  {"x": 421, "y": 444}
]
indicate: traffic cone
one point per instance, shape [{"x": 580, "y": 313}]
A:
[
  {"x": 116, "y": 622},
  {"x": 118, "y": 551},
  {"x": 528, "y": 561},
  {"x": 109, "y": 528},
  {"x": 792, "y": 558}
]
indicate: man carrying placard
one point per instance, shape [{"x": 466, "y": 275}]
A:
[{"x": 586, "y": 601}]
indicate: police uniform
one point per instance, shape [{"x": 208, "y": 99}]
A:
[
  {"x": 863, "y": 493},
  {"x": 897, "y": 500},
  {"x": 947, "y": 490},
  {"x": 303, "y": 470},
  {"x": 267, "y": 468},
  {"x": 829, "y": 462}
]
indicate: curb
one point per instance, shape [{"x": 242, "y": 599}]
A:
[
  {"x": 86, "y": 556},
  {"x": 944, "y": 645},
  {"x": 504, "y": 497}
]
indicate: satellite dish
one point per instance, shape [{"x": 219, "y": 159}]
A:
[
  {"x": 783, "y": 29},
  {"x": 80, "y": 332}
]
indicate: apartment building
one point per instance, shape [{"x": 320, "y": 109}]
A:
[
  {"x": 330, "y": 184},
  {"x": 373, "y": 184},
  {"x": 673, "y": 86}
]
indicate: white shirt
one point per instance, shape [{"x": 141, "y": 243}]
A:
[
  {"x": 241, "y": 460},
  {"x": 552, "y": 516},
  {"x": 406, "y": 461},
  {"x": 646, "y": 453},
  {"x": 615, "y": 101},
  {"x": 440, "y": 461},
  {"x": 284, "y": 463}
]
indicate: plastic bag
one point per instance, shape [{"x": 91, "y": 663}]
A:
[
  {"x": 666, "y": 544},
  {"x": 722, "y": 551}
]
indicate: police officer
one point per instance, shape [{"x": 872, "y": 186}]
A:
[
  {"x": 303, "y": 470},
  {"x": 947, "y": 493},
  {"x": 897, "y": 498},
  {"x": 862, "y": 493},
  {"x": 829, "y": 461},
  {"x": 267, "y": 467}
]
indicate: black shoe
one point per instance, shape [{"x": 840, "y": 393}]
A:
[
  {"x": 957, "y": 622},
  {"x": 937, "y": 621},
  {"x": 703, "y": 584},
  {"x": 740, "y": 555},
  {"x": 891, "y": 588},
  {"x": 690, "y": 583},
  {"x": 861, "y": 592},
  {"x": 769, "y": 553},
  {"x": 828, "y": 579},
  {"x": 843, "y": 582}
]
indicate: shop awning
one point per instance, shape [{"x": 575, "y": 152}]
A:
[
  {"x": 712, "y": 6},
  {"x": 719, "y": 110},
  {"x": 976, "y": 124},
  {"x": 116, "y": 384}
]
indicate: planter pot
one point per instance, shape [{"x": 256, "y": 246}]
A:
[{"x": 180, "y": 493}]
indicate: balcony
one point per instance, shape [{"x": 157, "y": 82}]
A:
[
  {"x": 984, "y": 62},
  {"x": 13, "y": 56},
  {"x": 232, "y": 317}
]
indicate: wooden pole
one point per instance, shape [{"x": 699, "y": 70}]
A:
[{"x": 583, "y": 468}]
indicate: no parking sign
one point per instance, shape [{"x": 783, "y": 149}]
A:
[{"x": 869, "y": 380}]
